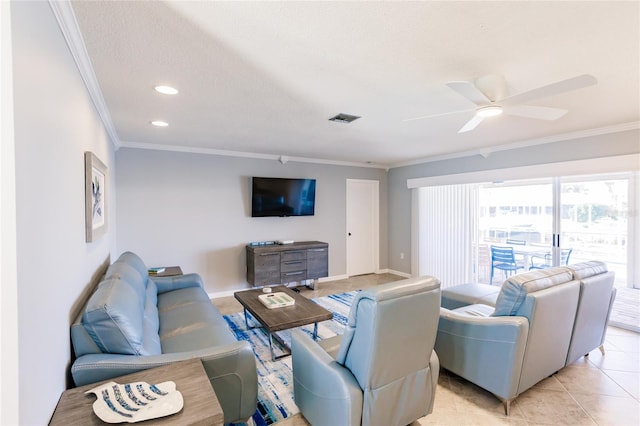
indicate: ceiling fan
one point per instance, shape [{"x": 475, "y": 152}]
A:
[{"x": 488, "y": 93}]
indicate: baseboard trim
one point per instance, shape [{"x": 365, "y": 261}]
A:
[
  {"x": 226, "y": 293},
  {"x": 333, "y": 278},
  {"x": 229, "y": 293},
  {"x": 394, "y": 272}
]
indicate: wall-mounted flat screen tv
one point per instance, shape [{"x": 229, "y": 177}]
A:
[{"x": 282, "y": 197}]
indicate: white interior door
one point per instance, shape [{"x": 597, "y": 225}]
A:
[{"x": 362, "y": 226}]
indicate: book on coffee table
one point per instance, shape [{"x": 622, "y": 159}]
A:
[{"x": 276, "y": 300}]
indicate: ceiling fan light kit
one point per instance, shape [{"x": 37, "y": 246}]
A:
[{"x": 489, "y": 111}]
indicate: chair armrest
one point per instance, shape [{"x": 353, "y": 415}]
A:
[
  {"x": 325, "y": 391},
  {"x": 488, "y": 351},
  {"x": 176, "y": 282},
  {"x": 92, "y": 368},
  {"x": 537, "y": 256}
]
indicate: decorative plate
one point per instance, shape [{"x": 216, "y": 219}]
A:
[
  {"x": 135, "y": 402},
  {"x": 276, "y": 300}
]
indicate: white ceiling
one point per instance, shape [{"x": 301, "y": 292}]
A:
[{"x": 264, "y": 77}]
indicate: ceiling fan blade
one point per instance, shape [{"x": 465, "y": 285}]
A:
[
  {"x": 530, "y": 111},
  {"x": 469, "y": 91},
  {"x": 471, "y": 124},
  {"x": 574, "y": 83},
  {"x": 437, "y": 115}
]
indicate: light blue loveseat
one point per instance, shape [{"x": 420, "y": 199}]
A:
[
  {"x": 133, "y": 323},
  {"x": 506, "y": 339}
]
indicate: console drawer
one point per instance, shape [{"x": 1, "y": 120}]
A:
[
  {"x": 288, "y": 277},
  {"x": 293, "y": 265},
  {"x": 293, "y": 255}
]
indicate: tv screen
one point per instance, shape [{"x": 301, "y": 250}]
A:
[{"x": 282, "y": 197}]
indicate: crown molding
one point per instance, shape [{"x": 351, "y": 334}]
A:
[
  {"x": 69, "y": 26},
  {"x": 226, "y": 153},
  {"x": 485, "y": 152}
]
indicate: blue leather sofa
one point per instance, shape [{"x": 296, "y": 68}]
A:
[{"x": 132, "y": 323}]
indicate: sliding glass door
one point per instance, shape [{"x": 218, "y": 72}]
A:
[
  {"x": 595, "y": 221},
  {"x": 558, "y": 221},
  {"x": 516, "y": 216}
]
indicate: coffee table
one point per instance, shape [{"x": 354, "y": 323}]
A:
[{"x": 303, "y": 312}]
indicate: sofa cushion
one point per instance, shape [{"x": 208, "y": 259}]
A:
[
  {"x": 189, "y": 321},
  {"x": 134, "y": 260},
  {"x": 124, "y": 271},
  {"x": 114, "y": 318},
  {"x": 475, "y": 310},
  {"x": 587, "y": 269},
  {"x": 468, "y": 294},
  {"x": 515, "y": 288},
  {"x": 151, "y": 321}
]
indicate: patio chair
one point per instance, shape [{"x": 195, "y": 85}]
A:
[
  {"x": 503, "y": 258},
  {"x": 519, "y": 258},
  {"x": 516, "y": 242},
  {"x": 547, "y": 259}
]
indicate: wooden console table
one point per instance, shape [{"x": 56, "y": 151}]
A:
[
  {"x": 201, "y": 406},
  {"x": 285, "y": 263}
]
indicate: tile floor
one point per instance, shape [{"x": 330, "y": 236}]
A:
[{"x": 594, "y": 390}]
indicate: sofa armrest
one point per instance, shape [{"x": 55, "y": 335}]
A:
[
  {"x": 325, "y": 391},
  {"x": 231, "y": 368},
  {"x": 487, "y": 351},
  {"x": 176, "y": 282}
]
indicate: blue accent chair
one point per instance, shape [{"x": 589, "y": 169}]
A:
[
  {"x": 503, "y": 258},
  {"x": 383, "y": 369}
]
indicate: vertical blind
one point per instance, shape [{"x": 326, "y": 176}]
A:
[{"x": 447, "y": 228}]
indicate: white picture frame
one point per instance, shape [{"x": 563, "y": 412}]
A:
[{"x": 95, "y": 184}]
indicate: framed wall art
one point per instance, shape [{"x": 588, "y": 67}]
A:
[{"x": 95, "y": 183}]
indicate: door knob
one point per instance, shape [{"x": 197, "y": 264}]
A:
[{"x": 349, "y": 233}]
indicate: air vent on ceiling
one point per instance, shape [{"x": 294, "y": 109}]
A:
[{"x": 344, "y": 118}]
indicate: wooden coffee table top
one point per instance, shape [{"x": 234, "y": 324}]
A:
[{"x": 302, "y": 313}]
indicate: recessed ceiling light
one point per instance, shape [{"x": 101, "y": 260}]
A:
[
  {"x": 160, "y": 123},
  {"x": 166, "y": 90}
]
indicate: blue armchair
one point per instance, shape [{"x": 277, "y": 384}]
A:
[{"x": 383, "y": 369}]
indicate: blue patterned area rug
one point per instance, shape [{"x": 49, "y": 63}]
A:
[{"x": 275, "y": 378}]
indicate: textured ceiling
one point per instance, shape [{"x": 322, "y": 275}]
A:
[{"x": 264, "y": 77}]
